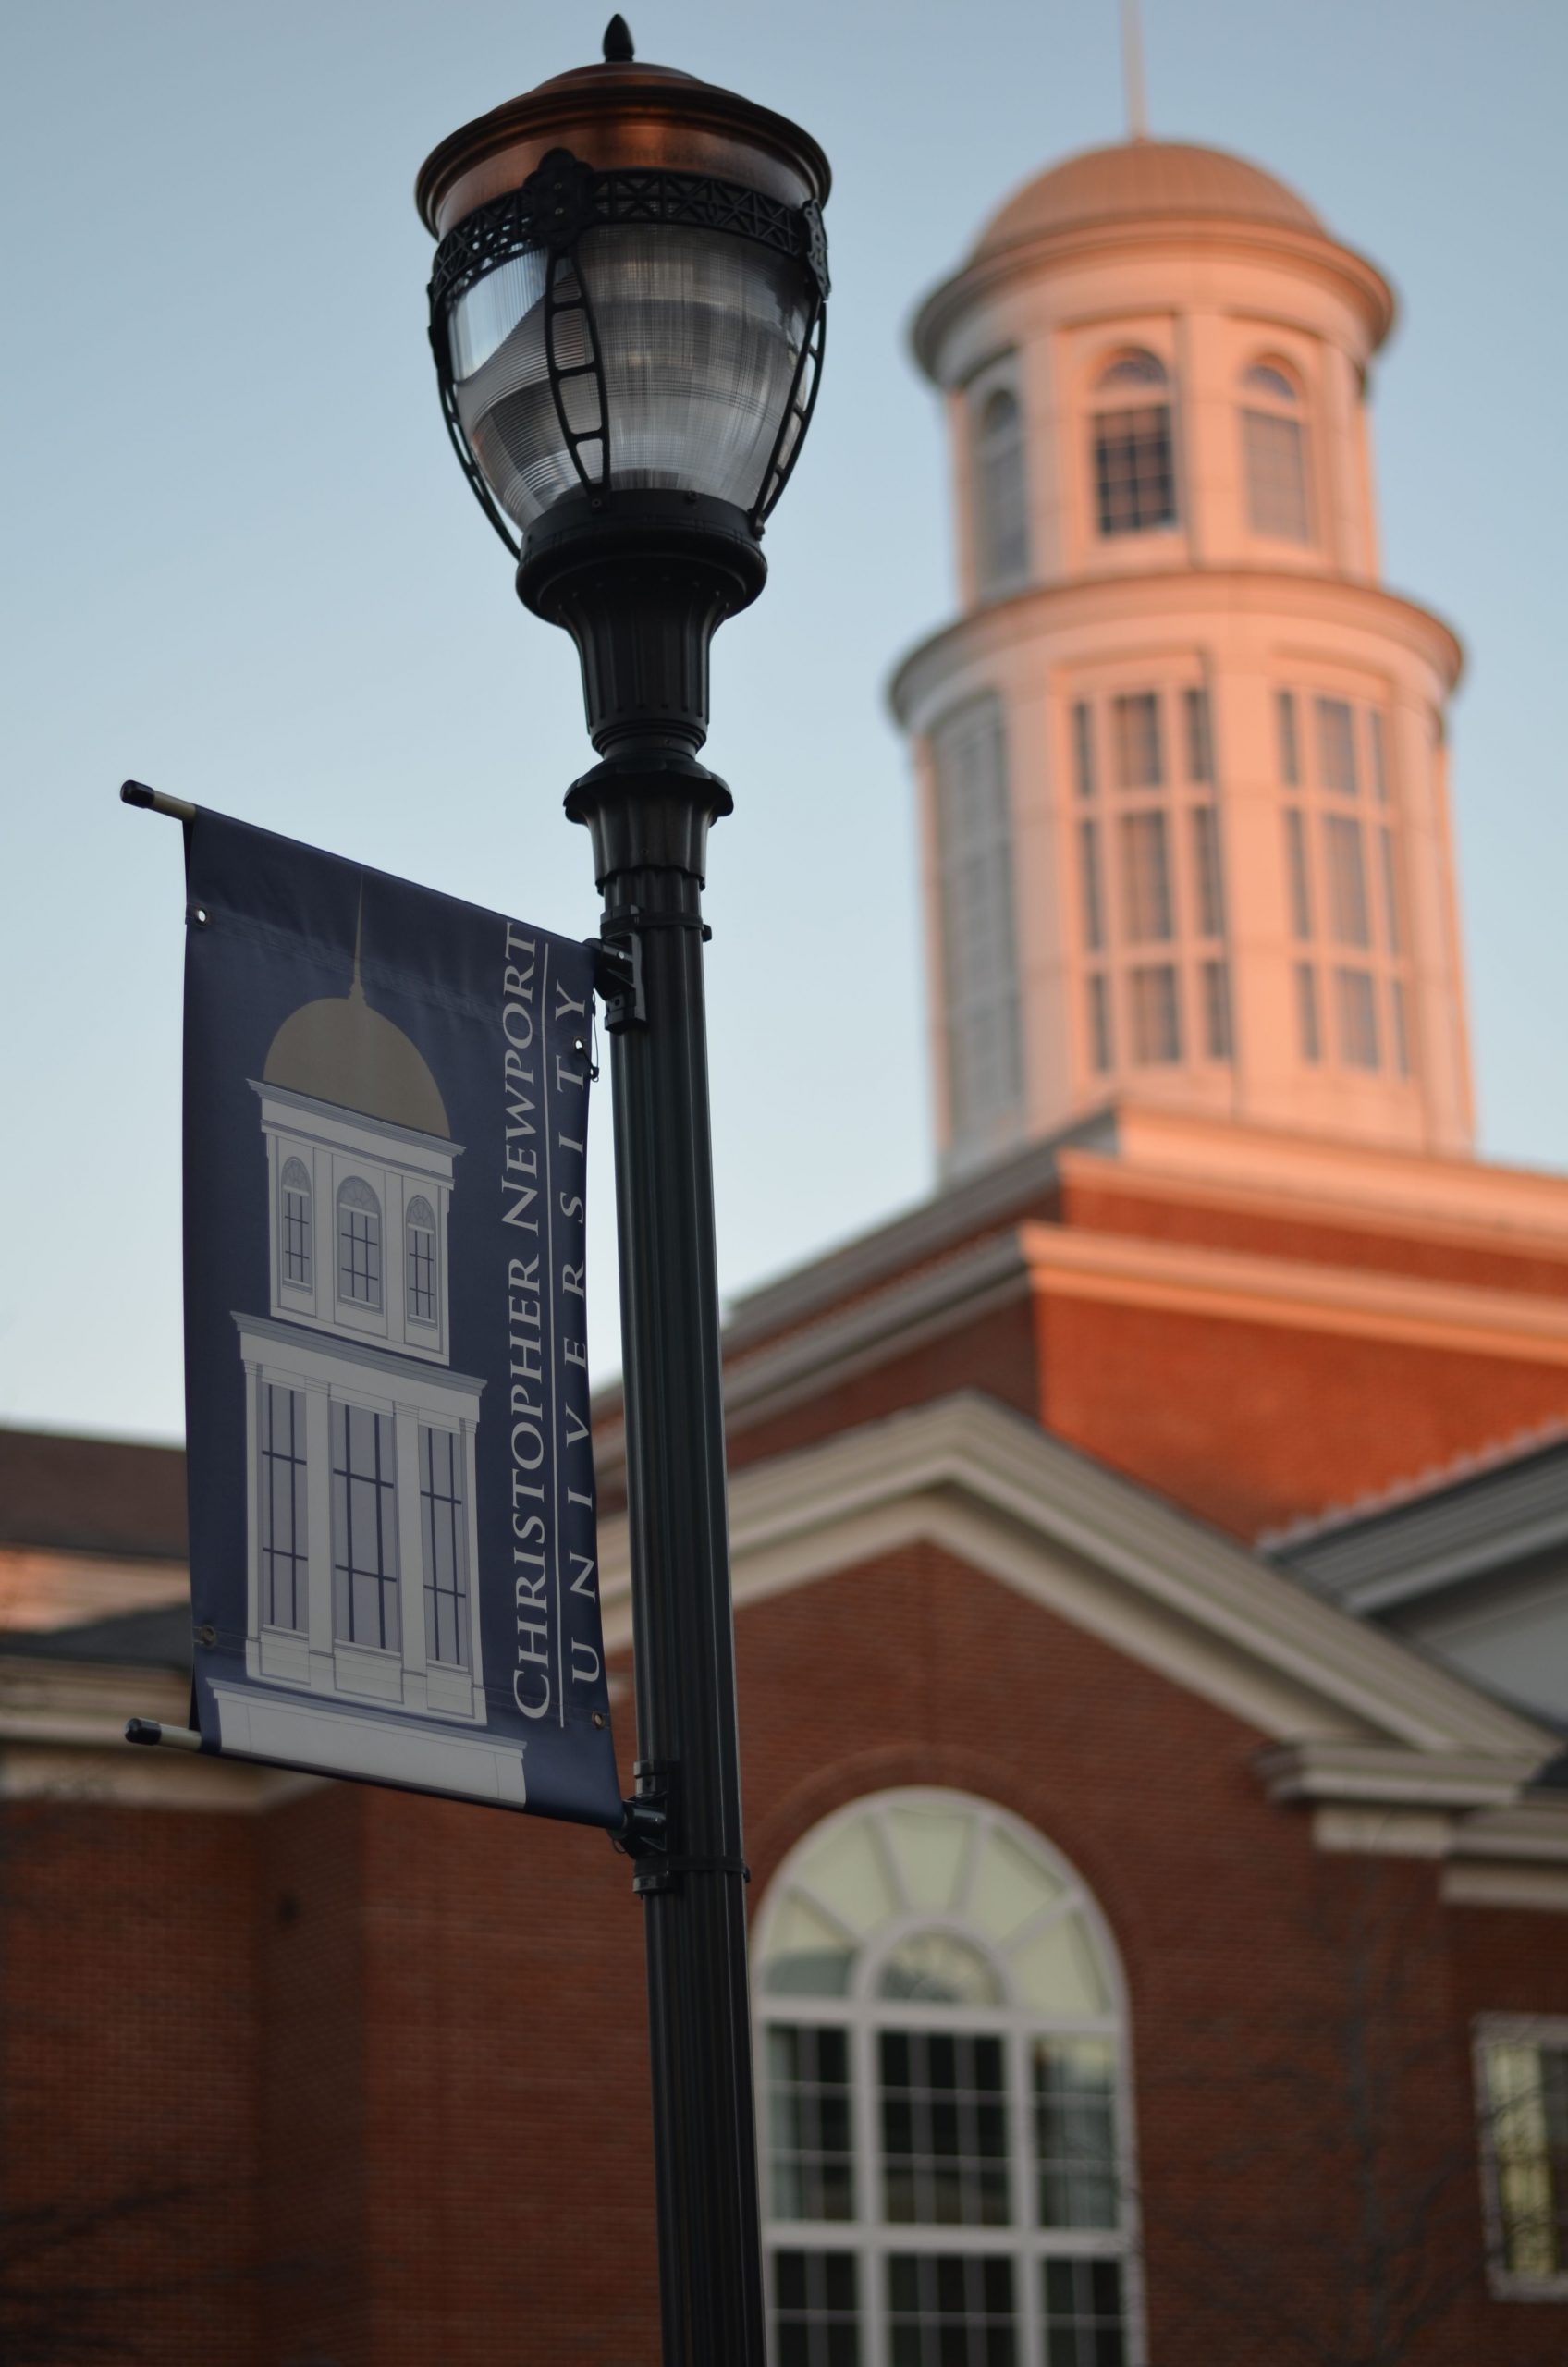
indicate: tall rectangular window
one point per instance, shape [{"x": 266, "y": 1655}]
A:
[
  {"x": 944, "y": 2149},
  {"x": 1199, "y": 736},
  {"x": 1083, "y": 747},
  {"x": 1001, "y": 509},
  {"x": 1207, "y": 875},
  {"x": 1145, "y": 879},
  {"x": 816, "y": 2310},
  {"x": 1215, "y": 977},
  {"x": 1336, "y": 746},
  {"x": 1391, "y": 892},
  {"x": 1075, "y": 2132},
  {"x": 1290, "y": 749},
  {"x": 1295, "y": 866},
  {"x": 1356, "y": 1007},
  {"x": 1135, "y": 724},
  {"x": 444, "y": 1534},
  {"x": 1101, "y": 1049},
  {"x": 1089, "y": 881},
  {"x": 1345, "y": 871},
  {"x": 1523, "y": 2078},
  {"x": 285, "y": 1562},
  {"x": 811, "y": 2141},
  {"x": 1084, "y": 2325},
  {"x": 297, "y": 1224},
  {"x": 1398, "y": 1027},
  {"x": 364, "y": 1528},
  {"x": 1157, "y": 1024},
  {"x": 948, "y": 2307},
  {"x": 1134, "y": 473},
  {"x": 974, "y": 893},
  {"x": 1275, "y": 453},
  {"x": 359, "y": 1243},
  {"x": 1379, "y": 759},
  {"x": 1309, "y": 1034}
]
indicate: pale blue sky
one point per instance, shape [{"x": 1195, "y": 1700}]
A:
[{"x": 241, "y": 563}]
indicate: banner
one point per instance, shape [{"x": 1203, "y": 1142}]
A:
[{"x": 393, "y": 1560}]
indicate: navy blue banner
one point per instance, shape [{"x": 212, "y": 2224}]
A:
[{"x": 393, "y": 1559}]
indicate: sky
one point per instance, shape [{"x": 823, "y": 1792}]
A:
[{"x": 239, "y": 562}]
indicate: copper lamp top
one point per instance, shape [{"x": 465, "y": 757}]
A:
[{"x": 620, "y": 115}]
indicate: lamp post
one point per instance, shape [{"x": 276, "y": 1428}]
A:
[{"x": 627, "y": 314}]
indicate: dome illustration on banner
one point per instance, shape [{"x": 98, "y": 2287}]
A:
[{"x": 363, "y": 1538}]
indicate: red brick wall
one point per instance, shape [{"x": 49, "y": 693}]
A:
[
  {"x": 129, "y": 2039},
  {"x": 1253, "y": 1424},
  {"x": 400, "y": 2044}
]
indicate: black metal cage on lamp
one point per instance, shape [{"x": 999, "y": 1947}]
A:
[{"x": 628, "y": 331}]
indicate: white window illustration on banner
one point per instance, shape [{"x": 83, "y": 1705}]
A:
[{"x": 363, "y": 1537}]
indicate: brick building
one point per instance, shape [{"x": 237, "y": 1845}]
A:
[{"x": 1151, "y": 1554}]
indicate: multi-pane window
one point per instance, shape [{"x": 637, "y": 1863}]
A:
[
  {"x": 364, "y": 1528},
  {"x": 1336, "y": 745},
  {"x": 1145, "y": 879},
  {"x": 1207, "y": 879},
  {"x": 285, "y": 1562},
  {"x": 1345, "y": 876},
  {"x": 1290, "y": 746},
  {"x": 1000, "y": 504},
  {"x": 1084, "y": 2313},
  {"x": 420, "y": 1230},
  {"x": 1089, "y": 882},
  {"x": 816, "y": 2299},
  {"x": 1308, "y": 1029},
  {"x": 1139, "y": 762},
  {"x": 979, "y": 955},
  {"x": 945, "y": 2154},
  {"x": 1274, "y": 455},
  {"x": 1523, "y": 2079},
  {"x": 1134, "y": 459},
  {"x": 951, "y": 2310},
  {"x": 945, "y": 2131},
  {"x": 1156, "y": 1014},
  {"x": 1151, "y": 874},
  {"x": 1214, "y": 985},
  {"x": 1083, "y": 747},
  {"x": 1342, "y": 885},
  {"x": 359, "y": 1243},
  {"x": 444, "y": 1535},
  {"x": 1198, "y": 734},
  {"x": 1356, "y": 1012},
  {"x": 295, "y": 1212},
  {"x": 1102, "y": 1052}
]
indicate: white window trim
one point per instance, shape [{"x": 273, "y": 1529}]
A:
[
  {"x": 1539, "y": 2030},
  {"x": 863, "y": 2015}
]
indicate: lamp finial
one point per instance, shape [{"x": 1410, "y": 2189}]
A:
[{"x": 619, "y": 50}]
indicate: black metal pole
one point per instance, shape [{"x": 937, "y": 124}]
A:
[{"x": 643, "y": 589}]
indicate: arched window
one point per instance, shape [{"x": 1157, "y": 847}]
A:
[
  {"x": 1002, "y": 524},
  {"x": 420, "y": 1233},
  {"x": 359, "y": 1243},
  {"x": 1135, "y": 471},
  {"x": 1274, "y": 454},
  {"x": 945, "y": 2140},
  {"x": 294, "y": 1224}
]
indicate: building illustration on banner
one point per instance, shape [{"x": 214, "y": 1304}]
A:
[{"x": 362, "y": 1541}]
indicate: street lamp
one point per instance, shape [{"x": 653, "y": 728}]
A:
[{"x": 627, "y": 314}]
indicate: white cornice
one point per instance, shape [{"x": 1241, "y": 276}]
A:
[
  {"x": 61, "y": 1735},
  {"x": 989, "y": 1487},
  {"x": 1176, "y": 592}
]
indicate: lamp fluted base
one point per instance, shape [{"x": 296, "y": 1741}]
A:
[{"x": 641, "y": 582}]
